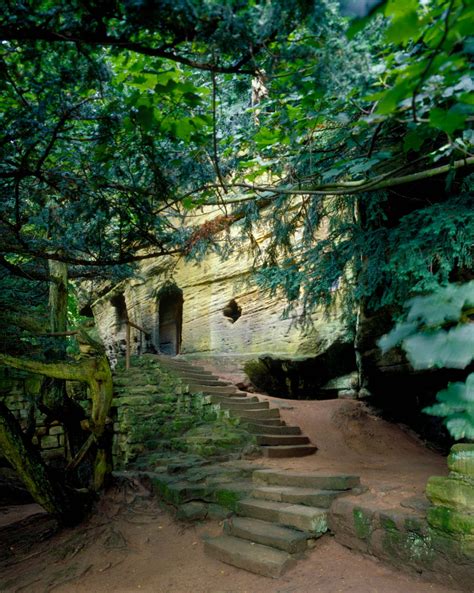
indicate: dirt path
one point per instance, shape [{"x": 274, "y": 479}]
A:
[
  {"x": 132, "y": 545},
  {"x": 138, "y": 547}
]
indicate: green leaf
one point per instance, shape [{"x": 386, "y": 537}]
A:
[
  {"x": 399, "y": 8},
  {"x": 444, "y": 305},
  {"x": 265, "y": 137},
  {"x": 397, "y": 335},
  {"x": 183, "y": 129},
  {"x": 391, "y": 98},
  {"x": 447, "y": 121},
  {"x": 453, "y": 348},
  {"x": 456, "y": 404},
  {"x": 404, "y": 29},
  {"x": 145, "y": 116}
]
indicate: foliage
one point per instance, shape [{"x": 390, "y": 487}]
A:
[
  {"x": 439, "y": 332},
  {"x": 122, "y": 120}
]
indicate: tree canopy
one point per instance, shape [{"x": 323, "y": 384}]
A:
[{"x": 119, "y": 118}]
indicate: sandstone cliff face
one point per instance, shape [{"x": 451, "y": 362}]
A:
[{"x": 207, "y": 287}]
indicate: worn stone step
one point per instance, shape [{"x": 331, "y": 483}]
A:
[
  {"x": 279, "y": 537},
  {"x": 262, "y": 421},
  {"x": 268, "y": 429},
  {"x": 280, "y": 451},
  {"x": 315, "y": 480},
  {"x": 281, "y": 439},
  {"x": 209, "y": 382},
  {"x": 241, "y": 406},
  {"x": 235, "y": 399},
  {"x": 255, "y": 558},
  {"x": 271, "y": 413},
  {"x": 302, "y": 517},
  {"x": 306, "y": 496},
  {"x": 226, "y": 390},
  {"x": 193, "y": 373},
  {"x": 182, "y": 366}
]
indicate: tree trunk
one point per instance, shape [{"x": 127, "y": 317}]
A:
[
  {"x": 98, "y": 376},
  {"x": 55, "y": 401},
  {"x": 66, "y": 505}
]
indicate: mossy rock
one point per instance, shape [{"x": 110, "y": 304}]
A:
[
  {"x": 451, "y": 521},
  {"x": 362, "y": 523},
  {"x": 451, "y": 492},
  {"x": 192, "y": 511},
  {"x": 461, "y": 459}
]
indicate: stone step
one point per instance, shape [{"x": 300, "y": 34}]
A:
[
  {"x": 268, "y": 429},
  {"x": 306, "y": 496},
  {"x": 269, "y": 477},
  {"x": 255, "y": 558},
  {"x": 182, "y": 366},
  {"x": 262, "y": 421},
  {"x": 281, "y": 439},
  {"x": 235, "y": 399},
  {"x": 280, "y": 451},
  {"x": 271, "y": 413},
  {"x": 192, "y": 373},
  {"x": 241, "y": 406},
  {"x": 279, "y": 537},
  {"x": 209, "y": 382},
  {"x": 302, "y": 517},
  {"x": 226, "y": 390}
]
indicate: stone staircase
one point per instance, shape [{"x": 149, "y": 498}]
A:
[
  {"x": 285, "y": 514},
  {"x": 273, "y": 436}
]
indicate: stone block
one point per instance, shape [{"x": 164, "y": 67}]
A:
[
  {"x": 49, "y": 442},
  {"x": 451, "y": 521},
  {"x": 306, "y": 479},
  {"x": 451, "y": 492},
  {"x": 268, "y": 534},
  {"x": 461, "y": 459},
  {"x": 56, "y": 430},
  {"x": 250, "y": 556},
  {"x": 192, "y": 511},
  {"x": 218, "y": 512}
]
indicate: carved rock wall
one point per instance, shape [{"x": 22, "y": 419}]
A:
[{"x": 207, "y": 288}]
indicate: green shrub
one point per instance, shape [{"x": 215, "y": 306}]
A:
[{"x": 438, "y": 332}]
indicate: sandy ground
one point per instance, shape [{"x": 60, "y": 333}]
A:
[{"x": 131, "y": 544}]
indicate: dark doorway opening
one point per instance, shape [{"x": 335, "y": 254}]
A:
[
  {"x": 121, "y": 314},
  {"x": 170, "y": 320}
]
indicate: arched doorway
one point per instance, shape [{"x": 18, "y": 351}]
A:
[{"x": 170, "y": 320}]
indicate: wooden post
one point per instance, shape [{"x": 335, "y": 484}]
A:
[{"x": 127, "y": 351}]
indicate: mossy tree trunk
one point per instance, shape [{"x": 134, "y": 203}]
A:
[
  {"x": 54, "y": 401},
  {"x": 46, "y": 490}
]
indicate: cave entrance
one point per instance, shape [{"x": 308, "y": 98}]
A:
[{"x": 170, "y": 320}]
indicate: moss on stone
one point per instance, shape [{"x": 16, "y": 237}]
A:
[
  {"x": 461, "y": 459},
  {"x": 451, "y": 521},
  {"x": 362, "y": 523},
  {"x": 451, "y": 492},
  {"x": 227, "y": 498}
]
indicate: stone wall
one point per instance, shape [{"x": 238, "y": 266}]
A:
[
  {"x": 436, "y": 540},
  {"x": 18, "y": 391}
]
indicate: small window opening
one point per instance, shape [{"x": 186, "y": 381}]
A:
[
  {"x": 232, "y": 311},
  {"x": 86, "y": 311}
]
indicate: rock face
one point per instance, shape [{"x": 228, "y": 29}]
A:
[{"x": 204, "y": 327}]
